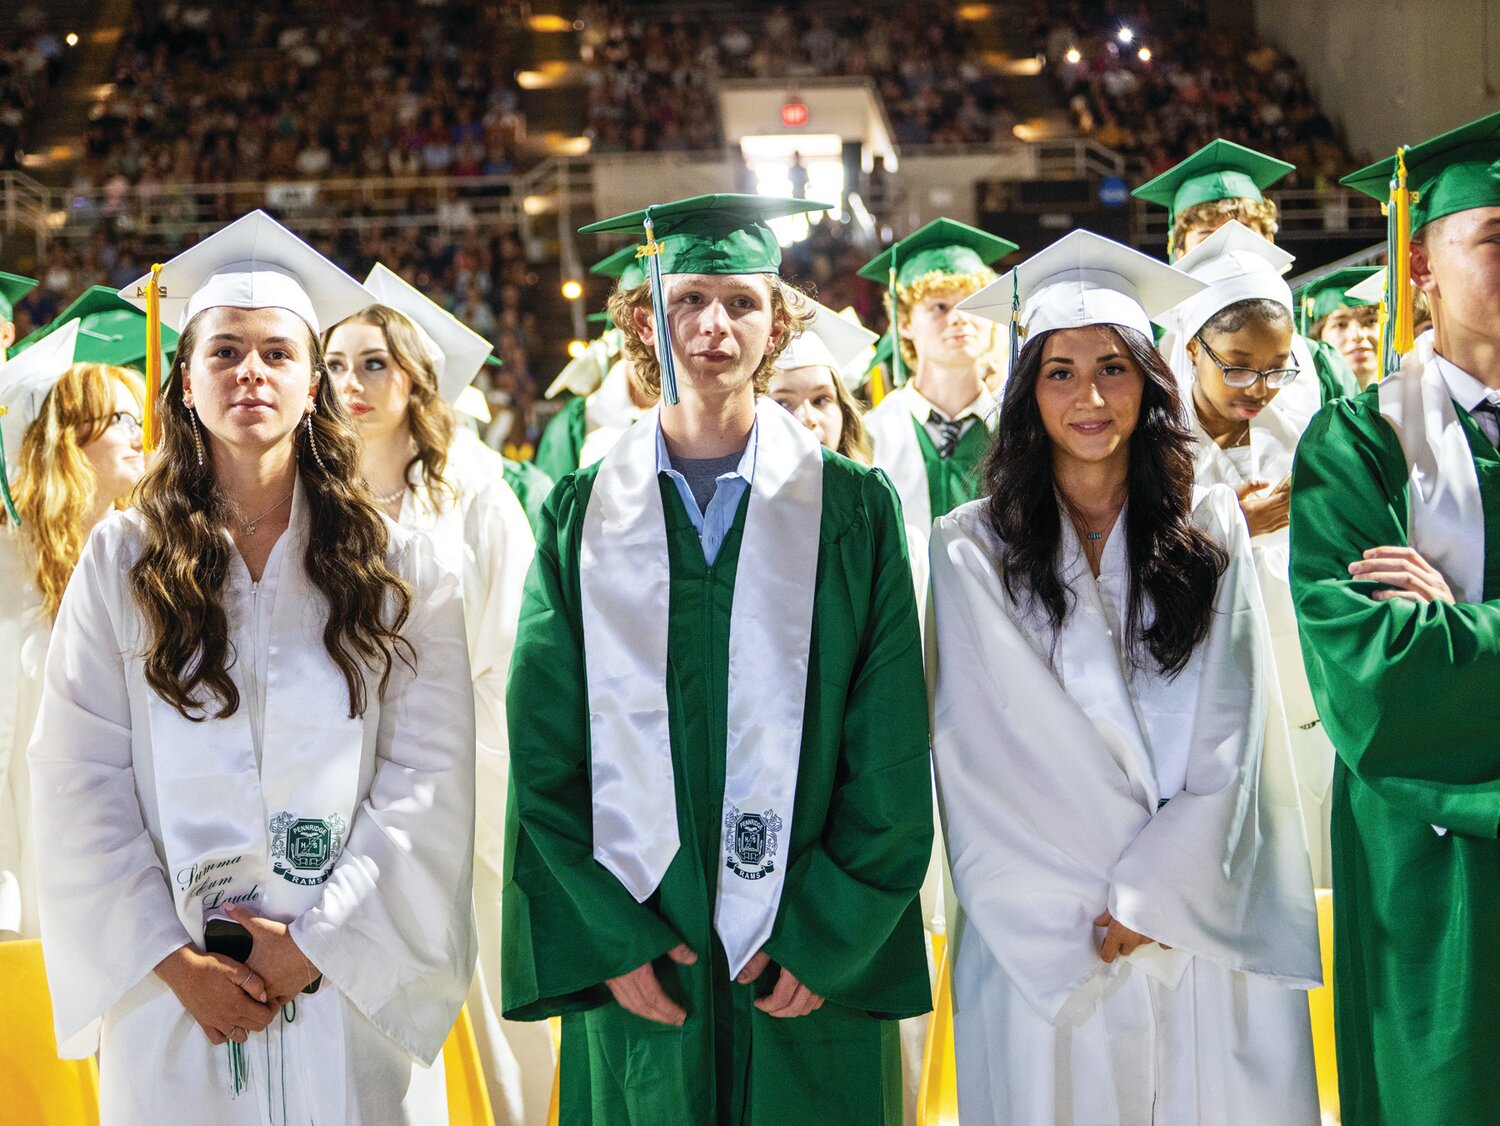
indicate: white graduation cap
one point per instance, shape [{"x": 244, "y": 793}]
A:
[
  {"x": 25, "y": 383},
  {"x": 254, "y": 263},
  {"x": 1235, "y": 264},
  {"x": 472, "y": 403},
  {"x": 457, "y": 351},
  {"x": 586, "y": 371},
  {"x": 1371, "y": 290},
  {"x": 832, "y": 340},
  {"x": 1084, "y": 279}
]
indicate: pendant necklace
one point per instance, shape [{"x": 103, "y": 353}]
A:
[{"x": 249, "y": 525}]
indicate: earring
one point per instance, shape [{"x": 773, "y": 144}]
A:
[
  {"x": 197, "y": 434},
  {"x": 312, "y": 442}
]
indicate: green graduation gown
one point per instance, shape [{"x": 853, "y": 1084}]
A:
[
  {"x": 557, "y": 451},
  {"x": 848, "y": 924},
  {"x": 958, "y": 478},
  {"x": 1406, "y": 692},
  {"x": 531, "y": 486},
  {"x": 1335, "y": 377}
]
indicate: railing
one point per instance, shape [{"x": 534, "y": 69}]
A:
[
  {"x": 1305, "y": 214},
  {"x": 1077, "y": 158}
]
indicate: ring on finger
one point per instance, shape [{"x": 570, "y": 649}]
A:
[
  {"x": 248, "y": 974},
  {"x": 237, "y": 1031}
]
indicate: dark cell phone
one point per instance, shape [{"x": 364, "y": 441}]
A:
[{"x": 226, "y": 937}]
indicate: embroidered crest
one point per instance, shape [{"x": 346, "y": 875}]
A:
[
  {"x": 303, "y": 849},
  {"x": 751, "y": 840}
]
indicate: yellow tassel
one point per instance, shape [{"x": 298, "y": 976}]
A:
[
  {"x": 153, "y": 357},
  {"x": 1383, "y": 319},
  {"x": 1399, "y": 297}
]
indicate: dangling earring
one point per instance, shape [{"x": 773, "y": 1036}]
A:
[
  {"x": 197, "y": 434},
  {"x": 312, "y": 441}
]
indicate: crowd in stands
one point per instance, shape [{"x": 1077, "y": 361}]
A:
[
  {"x": 1161, "y": 89},
  {"x": 31, "y": 51},
  {"x": 209, "y": 92},
  {"x": 651, "y": 82}
]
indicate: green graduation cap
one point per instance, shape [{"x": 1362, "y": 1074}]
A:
[
  {"x": 1219, "y": 170},
  {"x": 624, "y": 265},
  {"x": 1455, "y": 171},
  {"x": 1318, "y": 298},
  {"x": 110, "y": 330},
  {"x": 13, "y": 287},
  {"x": 943, "y": 246},
  {"x": 707, "y": 234}
]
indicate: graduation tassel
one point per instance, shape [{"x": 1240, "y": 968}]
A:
[
  {"x": 1398, "y": 270},
  {"x": 239, "y": 1069},
  {"x": 153, "y": 358},
  {"x": 898, "y": 376},
  {"x": 1015, "y": 319},
  {"x": 651, "y": 252},
  {"x": 10, "y": 503}
]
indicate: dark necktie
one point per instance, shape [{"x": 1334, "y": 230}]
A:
[
  {"x": 951, "y": 429},
  {"x": 1491, "y": 409}
]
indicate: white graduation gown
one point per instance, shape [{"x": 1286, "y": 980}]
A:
[
  {"x": 357, "y": 832},
  {"x": 24, "y": 632},
  {"x": 1050, "y": 783},
  {"x": 484, "y": 538},
  {"x": 1274, "y": 434},
  {"x": 607, "y": 414}
]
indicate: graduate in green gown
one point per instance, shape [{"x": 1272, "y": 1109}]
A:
[
  {"x": 13, "y": 287},
  {"x": 1331, "y": 312},
  {"x": 1224, "y": 181},
  {"x": 565, "y": 445},
  {"x": 931, "y": 433},
  {"x": 718, "y": 722},
  {"x": 1395, "y": 566}
]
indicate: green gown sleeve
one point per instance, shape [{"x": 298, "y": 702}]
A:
[
  {"x": 849, "y": 926},
  {"x": 561, "y": 443},
  {"x": 1336, "y": 379},
  {"x": 1405, "y": 690},
  {"x": 531, "y": 487},
  {"x": 568, "y": 923}
]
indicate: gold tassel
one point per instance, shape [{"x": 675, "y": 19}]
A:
[
  {"x": 1398, "y": 296},
  {"x": 153, "y": 358}
]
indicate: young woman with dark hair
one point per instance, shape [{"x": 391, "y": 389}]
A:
[
  {"x": 1136, "y": 918},
  {"x": 258, "y": 816}
]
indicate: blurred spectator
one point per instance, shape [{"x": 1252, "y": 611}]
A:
[
  {"x": 651, "y": 81},
  {"x": 30, "y": 57}
]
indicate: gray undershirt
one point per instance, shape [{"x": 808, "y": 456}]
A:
[{"x": 702, "y": 475}]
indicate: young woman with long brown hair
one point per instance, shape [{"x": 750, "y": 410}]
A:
[
  {"x": 1137, "y": 915},
  {"x": 398, "y": 366},
  {"x": 254, "y": 760},
  {"x": 72, "y": 435}
]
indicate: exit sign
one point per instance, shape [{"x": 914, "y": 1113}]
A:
[{"x": 794, "y": 115}]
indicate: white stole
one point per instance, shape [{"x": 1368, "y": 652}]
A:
[
  {"x": 607, "y": 414},
  {"x": 625, "y": 591},
  {"x": 1446, "y": 512},
  {"x": 265, "y": 835},
  {"x": 898, "y": 452}
]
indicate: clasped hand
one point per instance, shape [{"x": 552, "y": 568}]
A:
[
  {"x": 1404, "y": 572},
  {"x": 1119, "y": 940},
  {"x": 640, "y": 992}
]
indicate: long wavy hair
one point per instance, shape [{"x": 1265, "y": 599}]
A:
[
  {"x": 428, "y": 417},
  {"x": 1173, "y": 565},
  {"x": 179, "y": 578},
  {"x": 55, "y": 483}
]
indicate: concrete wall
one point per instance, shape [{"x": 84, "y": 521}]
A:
[{"x": 1392, "y": 71}]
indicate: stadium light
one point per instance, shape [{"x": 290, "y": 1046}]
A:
[
  {"x": 577, "y": 348},
  {"x": 1126, "y": 35},
  {"x": 572, "y": 290},
  {"x": 1144, "y": 54},
  {"x": 1074, "y": 56},
  {"x": 72, "y": 39}
]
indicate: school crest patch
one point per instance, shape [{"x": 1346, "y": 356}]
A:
[
  {"x": 751, "y": 841},
  {"x": 304, "y": 849}
]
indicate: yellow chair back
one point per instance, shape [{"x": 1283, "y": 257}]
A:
[
  {"x": 1320, "y": 1005},
  {"x": 39, "y": 1089},
  {"x": 468, "y": 1098}
]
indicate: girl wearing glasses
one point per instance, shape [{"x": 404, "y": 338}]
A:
[
  {"x": 72, "y": 436},
  {"x": 1236, "y": 356}
]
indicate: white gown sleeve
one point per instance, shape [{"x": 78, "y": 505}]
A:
[
  {"x": 394, "y": 930},
  {"x": 106, "y": 909}
]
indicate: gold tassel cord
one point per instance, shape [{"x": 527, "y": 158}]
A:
[
  {"x": 153, "y": 357},
  {"x": 1398, "y": 295}
]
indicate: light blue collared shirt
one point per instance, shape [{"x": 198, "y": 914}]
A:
[{"x": 714, "y": 524}]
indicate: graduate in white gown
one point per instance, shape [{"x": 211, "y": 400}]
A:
[
  {"x": 72, "y": 442},
  {"x": 1241, "y": 328},
  {"x": 257, "y": 715},
  {"x": 398, "y": 366},
  {"x": 1136, "y": 918}
]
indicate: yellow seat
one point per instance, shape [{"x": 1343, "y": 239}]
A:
[
  {"x": 468, "y": 1098},
  {"x": 937, "y": 1100},
  {"x": 555, "y": 1109},
  {"x": 39, "y": 1089},
  {"x": 1320, "y": 1005}
]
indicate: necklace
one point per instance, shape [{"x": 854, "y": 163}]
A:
[
  {"x": 390, "y": 498},
  {"x": 249, "y": 525}
]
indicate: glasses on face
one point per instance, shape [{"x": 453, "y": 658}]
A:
[
  {"x": 1245, "y": 377},
  {"x": 126, "y": 422}
]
